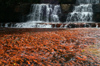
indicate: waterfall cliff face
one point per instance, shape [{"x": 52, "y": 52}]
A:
[
  {"x": 40, "y": 13},
  {"x": 45, "y": 13},
  {"x": 82, "y": 12}
]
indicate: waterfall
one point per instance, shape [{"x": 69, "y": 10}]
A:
[
  {"x": 41, "y": 13},
  {"x": 82, "y": 12},
  {"x": 44, "y": 13}
]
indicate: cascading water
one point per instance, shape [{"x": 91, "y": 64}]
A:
[
  {"x": 41, "y": 13},
  {"x": 45, "y": 13},
  {"x": 82, "y": 12}
]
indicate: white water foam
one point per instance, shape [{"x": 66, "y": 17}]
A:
[
  {"x": 82, "y": 12},
  {"x": 45, "y": 13},
  {"x": 41, "y": 13}
]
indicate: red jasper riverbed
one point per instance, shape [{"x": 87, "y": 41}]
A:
[{"x": 50, "y": 47}]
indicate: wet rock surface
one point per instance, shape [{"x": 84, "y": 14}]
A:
[
  {"x": 63, "y": 47},
  {"x": 96, "y": 7},
  {"x": 53, "y": 25},
  {"x": 96, "y": 17}
]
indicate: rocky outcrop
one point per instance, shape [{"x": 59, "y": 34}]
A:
[
  {"x": 50, "y": 1},
  {"x": 96, "y": 17},
  {"x": 66, "y": 8},
  {"x": 96, "y": 7},
  {"x": 59, "y": 1},
  {"x": 23, "y": 10},
  {"x": 67, "y": 1},
  {"x": 96, "y": 10},
  {"x": 15, "y": 13},
  {"x": 57, "y": 25}
]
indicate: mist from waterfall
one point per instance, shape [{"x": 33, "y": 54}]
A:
[{"x": 82, "y": 12}]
